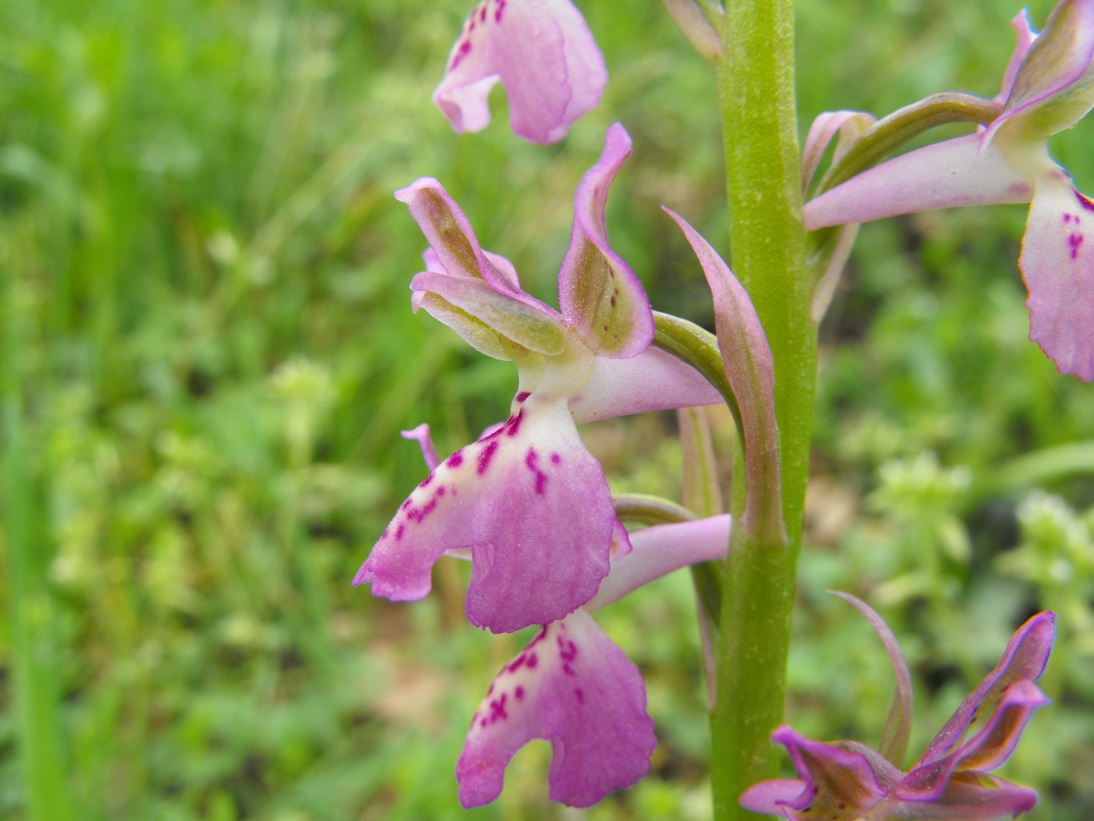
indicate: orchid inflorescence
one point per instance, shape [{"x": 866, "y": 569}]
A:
[{"x": 530, "y": 506}]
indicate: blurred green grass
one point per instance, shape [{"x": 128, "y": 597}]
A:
[{"x": 208, "y": 352}]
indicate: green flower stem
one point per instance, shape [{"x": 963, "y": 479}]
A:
[{"x": 756, "y": 88}]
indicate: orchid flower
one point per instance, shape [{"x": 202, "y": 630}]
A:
[
  {"x": 544, "y": 56},
  {"x": 527, "y": 499},
  {"x": 573, "y": 687},
  {"x": 847, "y": 780},
  {"x": 1048, "y": 87}
]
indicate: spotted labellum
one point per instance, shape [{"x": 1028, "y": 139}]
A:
[
  {"x": 573, "y": 687},
  {"x": 542, "y": 53}
]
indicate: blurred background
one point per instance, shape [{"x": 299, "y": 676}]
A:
[{"x": 207, "y": 353}]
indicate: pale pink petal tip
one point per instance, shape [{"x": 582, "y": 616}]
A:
[
  {"x": 542, "y": 53},
  {"x": 1057, "y": 265},
  {"x": 573, "y": 687}
]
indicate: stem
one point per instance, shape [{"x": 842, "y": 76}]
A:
[{"x": 756, "y": 89}]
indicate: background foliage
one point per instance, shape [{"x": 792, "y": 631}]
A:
[{"x": 207, "y": 354}]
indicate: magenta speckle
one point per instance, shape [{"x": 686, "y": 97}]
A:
[
  {"x": 484, "y": 723},
  {"x": 555, "y": 458},
  {"x": 541, "y": 478},
  {"x": 1084, "y": 202},
  {"x": 512, "y": 427},
  {"x": 580, "y": 694},
  {"x": 514, "y": 665},
  {"x": 523, "y": 395},
  {"x": 568, "y": 670},
  {"x": 462, "y": 51},
  {"x": 1075, "y": 240},
  {"x": 567, "y": 650},
  {"x": 486, "y": 456},
  {"x": 425, "y": 482},
  {"x": 497, "y": 708},
  {"x": 456, "y": 459},
  {"x": 399, "y": 533},
  {"x": 531, "y": 661},
  {"x": 482, "y": 13},
  {"x": 1067, "y": 217},
  {"x": 519, "y": 692},
  {"x": 406, "y": 504}
]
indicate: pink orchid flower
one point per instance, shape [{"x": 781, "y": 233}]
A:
[
  {"x": 542, "y": 53},
  {"x": 846, "y": 780},
  {"x": 1048, "y": 87},
  {"x": 527, "y": 499},
  {"x": 576, "y": 689}
]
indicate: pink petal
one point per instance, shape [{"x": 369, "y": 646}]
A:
[
  {"x": 1057, "y": 265},
  {"x": 544, "y": 56},
  {"x": 1053, "y": 78},
  {"x": 654, "y": 380},
  {"x": 1024, "y": 39},
  {"x": 986, "y": 751},
  {"x": 574, "y": 688},
  {"x": 599, "y": 294},
  {"x": 1024, "y": 659},
  {"x": 839, "y": 782},
  {"x": 425, "y": 440},
  {"x": 660, "y": 550},
  {"x": 524, "y": 321},
  {"x": 847, "y": 125},
  {"x": 975, "y": 796},
  {"x": 942, "y": 175},
  {"x": 455, "y": 247},
  {"x": 532, "y": 505}
]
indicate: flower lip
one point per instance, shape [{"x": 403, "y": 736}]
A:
[{"x": 542, "y": 53}]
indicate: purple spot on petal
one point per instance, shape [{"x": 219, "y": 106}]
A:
[
  {"x": 485, "y": 457},
  {"x": 425, "y": 482},
  {"x": 567, "y": 650},
  {"x": 580, "y": 695},
  {"x": 555, "y": 458},
  {"x": 406, "y": 504},
  {"x": 456, "y": 459},
  {"x": 1075, "y": 240},
  {"x": 1067, "y": 217},
  {"x": 519, "y": 692},
  {"x": 541, "y": 478},
  {"x": 515, "y": 664},
  {"x": 513, "y": 425},
  {"x": 399, "y": 533},
  {"x": 531, "y": 661},
  {"x": 523, "y": 395},
  {"x": 568, "y": 670}
]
